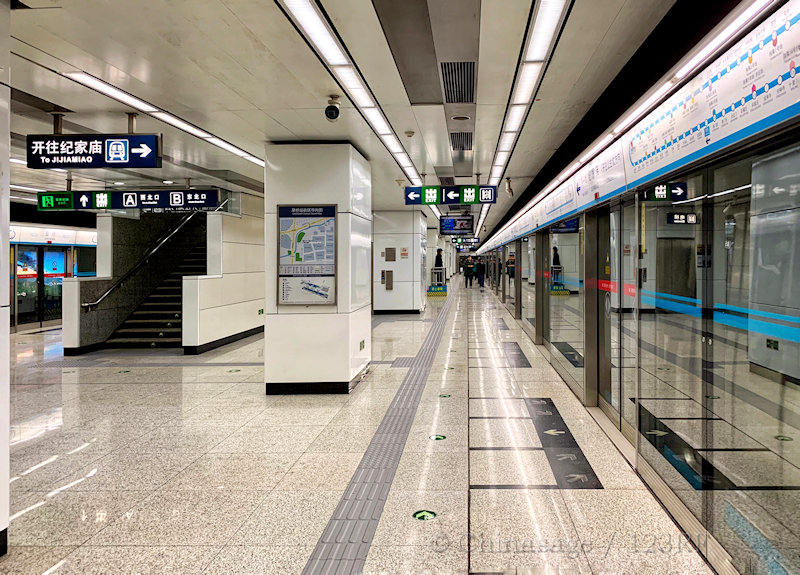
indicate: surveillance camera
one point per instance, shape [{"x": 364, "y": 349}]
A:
[
  {"x": 332, "y": 111},
  {"x": 509, "y": 190}
]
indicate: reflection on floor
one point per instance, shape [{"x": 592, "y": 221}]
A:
[{"x": 153, "y": 463}]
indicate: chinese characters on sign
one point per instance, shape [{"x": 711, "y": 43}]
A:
[
  {"x": 151, "y": 200},
  {"x": 49, "y": 151}
]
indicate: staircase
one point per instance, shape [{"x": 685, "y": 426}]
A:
[{"x": 157, "y": 320}]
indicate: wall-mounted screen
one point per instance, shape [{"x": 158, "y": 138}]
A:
[{"x": 456, "y": 225}]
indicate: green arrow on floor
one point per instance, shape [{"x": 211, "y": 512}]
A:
[
  {"x": 437, "y": 437},
  {"x": 424, "y": 515}
]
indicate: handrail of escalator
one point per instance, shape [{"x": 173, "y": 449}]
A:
[{"x": 145, "y": 260}]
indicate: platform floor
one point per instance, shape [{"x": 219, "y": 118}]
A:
[{"x": 151, "y": 462}]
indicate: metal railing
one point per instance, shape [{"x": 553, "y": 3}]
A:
[
  {"x": 161, "y": 242},
  {"x": 438, "y": 276}
]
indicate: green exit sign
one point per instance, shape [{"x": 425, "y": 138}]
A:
[{"x": 54, "y": 201}]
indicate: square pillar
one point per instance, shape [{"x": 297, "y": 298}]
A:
[
  {"x": 321, "y": 346},
  {"x": 5, "y": 295}
]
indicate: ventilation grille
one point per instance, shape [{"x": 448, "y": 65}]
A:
[
  {"x": 447, "y": 181},
  {"x": 461, "y": 141},
  {"x": 458, "y": 79}
]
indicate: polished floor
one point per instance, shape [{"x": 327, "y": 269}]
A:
[{"x": 134, "y": 462}]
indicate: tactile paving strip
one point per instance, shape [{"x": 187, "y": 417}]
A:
[{"x": 343, "y": 546}]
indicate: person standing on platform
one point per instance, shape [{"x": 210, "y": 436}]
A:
[
  {"x": 438, "y": 263},
  {"x": 469, "y": 272},
  {"x": 510, "y": 269},
  {"x": 481, "y": 270}
]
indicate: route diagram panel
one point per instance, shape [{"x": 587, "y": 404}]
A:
[{"x": 307, "y": 255}]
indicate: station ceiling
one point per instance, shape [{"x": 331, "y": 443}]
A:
[{"x": 240, "y": 70}]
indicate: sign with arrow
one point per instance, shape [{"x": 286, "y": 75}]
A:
[
  {"x": 92, "y": 151},
  {"x": 554, "y": 432},
  {"x": 190, "y": 200},
  {"x": 441, "y": 195}
]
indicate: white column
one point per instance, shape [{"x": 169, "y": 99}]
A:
[
  {"x": 319, "y": 348},
  {"x": 399, "y": 248},
  {"x": 5, "y": 320}
]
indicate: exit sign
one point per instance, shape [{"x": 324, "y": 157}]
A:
[{"x": 55, "y": 201}]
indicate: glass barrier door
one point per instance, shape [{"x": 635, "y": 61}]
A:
[
  {"x": 52, "y": 278},
  {"x": 27, "y": 260},
  {"x": 12, "y": 287},
  {"x": 753, "y": 339}
]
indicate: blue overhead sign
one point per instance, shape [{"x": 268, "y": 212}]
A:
[
  {"x": 413, "y": 195},
  {"x": 150, "y": 200},
  {"x": 82, "y": 151}
]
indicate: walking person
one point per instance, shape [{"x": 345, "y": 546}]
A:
[
  {"x": 481, "y": 271},
  {"x": 510, "y": 269}
]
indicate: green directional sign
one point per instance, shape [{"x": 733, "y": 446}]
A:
[
  {"x": 430, "y": 195},
  {"x": 424, "y": 515},
  {"x": 55, "y": 201},
  {"x": 444, "y": 395},
  {"x": 437, "y": 437},
  {"x": 441, "y": 195}
]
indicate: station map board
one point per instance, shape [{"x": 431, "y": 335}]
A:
[{"x": 307, "y": 255}]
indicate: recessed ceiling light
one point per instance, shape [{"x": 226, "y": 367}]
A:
[
  {"x": 318, "y": 33},
  {"x": 119, "y": 183},
  {"x": 460, "y": 117},
  {"x": 375, "y": 118},
  {"x": 516, "y": 114},
  {"x": 168, "y": 182}
]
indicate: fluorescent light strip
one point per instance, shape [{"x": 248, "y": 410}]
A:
[
  {"x": 376, "y": 120},
  {"x": 403, "y": 159},
  {"x": 352, "y": 84},
  {"x": 109, "y": 90},
  {"x": 506, "y": 142},
  {"x": 720, "y": 39},
  {"x": 501, "y": 158},
  {"x": 32, "y": 200},
  {"x": 125, "y": 98},
  {"x": 391, "y": 142},
  {"x": 600, "y": 145},
  {"x": 543, "y": 31},
  {"x": 643, "y": 107},
  {"x": 226, "y": 146},
  {"x": 497, "y": 172},
  {"x": 730, "y": 30},
  {"x": 516, "y": 114},
  {"x": 569, "y": 172},
  {"x": 526, "y": 82},
  {"x": 181, "y": 125},
  {"x": 24, "y": 188},
  {"x": 494, "y": 181},
  {"x": 257, "y": 161},
  {"x": 307, "y": 17},
  {"x": 18, "y": 161},
  {"x": 435, "y": 211},
  {"x": 328, "y": 46}
]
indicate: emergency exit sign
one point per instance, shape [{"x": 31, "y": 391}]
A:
[{"x": 48, "y": 201}]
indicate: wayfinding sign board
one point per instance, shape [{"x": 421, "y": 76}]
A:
[
  {"x": 307, "y": 255},
  {"x": 203, "y": 200},
  {"x": 441, "y": 195},
  {"x": 82, "y": 151}
]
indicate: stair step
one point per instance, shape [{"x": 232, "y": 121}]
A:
[
  {"x": 149, "y": 331},
  {"x": 127, "y": 342},
  {"x": 157, "y": 312},
  {"x": 152, "y": 323}
]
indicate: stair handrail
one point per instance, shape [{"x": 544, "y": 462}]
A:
[{"x": 145, "y": 260}]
